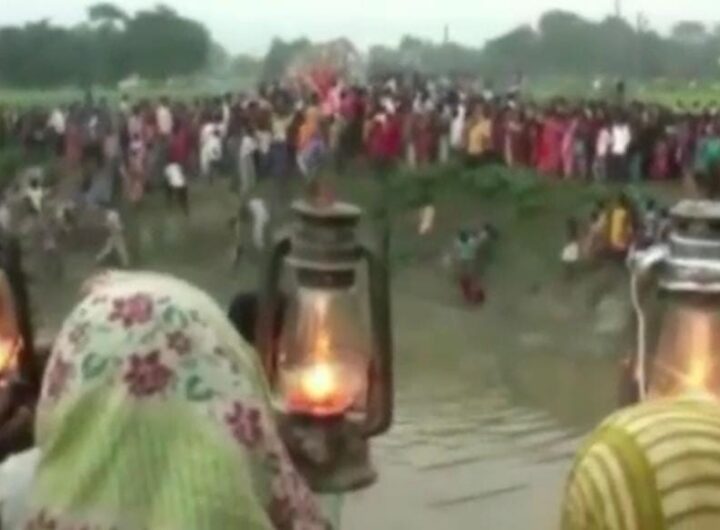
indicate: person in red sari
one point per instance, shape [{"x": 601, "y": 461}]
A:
[
  {"x": 551, "y": 136},
  {"x": 424, "y": 138},
  {"x": 180, "y": 144},
  {"x": 514, "y": 157}
]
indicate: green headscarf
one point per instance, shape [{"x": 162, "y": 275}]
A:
[{"x": 154, "y": 415}]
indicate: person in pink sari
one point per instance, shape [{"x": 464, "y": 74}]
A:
[{"x": 136, "y": 169}]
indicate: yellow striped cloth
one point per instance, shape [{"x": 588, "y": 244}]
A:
[{"x": 655, "y": 466}]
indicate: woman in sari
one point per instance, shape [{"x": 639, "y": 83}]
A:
[{"x": 154, "y": 414}]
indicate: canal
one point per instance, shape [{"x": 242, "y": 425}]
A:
[{"x": 489, "y": 408}]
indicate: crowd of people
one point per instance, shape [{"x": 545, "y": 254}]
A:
[
  {"x": 280, "y": 131},
  {"x": 285, "y": 131}
]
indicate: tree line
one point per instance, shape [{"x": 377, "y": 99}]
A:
[
  {"x": 109, "y": 46},
  {"x": 564, "y": 43},
  {"x": 158, "y": 44}
]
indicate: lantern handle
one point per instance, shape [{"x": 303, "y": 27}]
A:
[
  {"x": 381, "y": 369},
  {"x": 270, "y": 304},
  {"x": 642, "y": 265}
]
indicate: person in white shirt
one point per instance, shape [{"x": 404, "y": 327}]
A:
[
  {"x": 259, "y": 217},
  {"x": 35, "y": 195},
  {"x": 246, "y": 161},
  {"x": 57, "y": 124},
  {"x": 457, "y": 128},
  {"x": 115, "y": 242},
  {"x": 620, "y": 138},
  {"x": 164, "y": 119},
  {"x": 124, "y": 106},
  {"x": 602, "y": 147},
  {"x": 570, "y": 255},
  {"x": 210, "y": 150},
  {"x": 57, "y": 121},
  {"x": 254, "y": 213},
  {"x": 176, "y": 186}
]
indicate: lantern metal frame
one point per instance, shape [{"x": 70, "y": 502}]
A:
[
  {"x": 685, "y": 268},
  {"x": 322, "y": 247}
]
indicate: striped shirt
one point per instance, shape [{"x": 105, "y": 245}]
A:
[{"x": 655, "y": 466}]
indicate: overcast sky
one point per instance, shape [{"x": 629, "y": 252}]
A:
[{"x": 249, "y": 25}]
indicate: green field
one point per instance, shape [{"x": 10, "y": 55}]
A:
[{"x": 181, "y": 90}]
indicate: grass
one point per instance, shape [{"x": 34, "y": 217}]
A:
[
  {"x": 182, "y": 90},
  {"x": 664, "y": 91}
]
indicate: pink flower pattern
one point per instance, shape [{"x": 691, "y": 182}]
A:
[
  {"x": 58, "y": 376},
  {"x": 135, "y": 309},
  {"x": 147, "y": 375},
  {"x": 245, "y": 424},
  {"x": 42, "y": 522},
  {"x": 78, "y": 334},
  {"x": 292, "y": 501}
]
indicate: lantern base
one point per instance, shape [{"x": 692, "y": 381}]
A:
[{"x": 330, "y": 452}]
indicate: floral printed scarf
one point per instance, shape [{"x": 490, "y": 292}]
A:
[{"x": 154, "y": 415}]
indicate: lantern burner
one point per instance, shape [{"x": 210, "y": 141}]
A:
[
  {"x": 329, "y": 451},
  {"x": 690, "y": 261}
]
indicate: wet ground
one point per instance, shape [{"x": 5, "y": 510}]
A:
[
  {"x": 489, "y": 408},
  {"x": 484, "y": 435}
]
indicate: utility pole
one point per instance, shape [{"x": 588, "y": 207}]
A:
[
  {"x": 446, "y": 34},
  {"x": 618, "y": 8}
]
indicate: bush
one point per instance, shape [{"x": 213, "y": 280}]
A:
[{"x": 11, "y": 161}]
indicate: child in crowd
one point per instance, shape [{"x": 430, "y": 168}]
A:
[
  {"x": 472, "y": 250},
  {"x": 466, "y": 248}
]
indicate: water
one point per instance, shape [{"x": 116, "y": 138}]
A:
[
  {"x": 483, "y": 438},
  {"x": 488, "y": 413}
]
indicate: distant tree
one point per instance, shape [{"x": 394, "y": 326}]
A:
[
  {"x": 690, "y": 32},
  {"x": 516, "y": 50},
  {"x": 39, "y": 54},
  {"x": 106, "y": 13},
  {"x": 218, "y": 59},
  {"x": 280, "y": 56},
  {"x": 161, "y": 44},
  {"x": 245, "y": 65}
]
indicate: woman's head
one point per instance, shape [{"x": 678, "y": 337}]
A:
[{"x": 159, "y": 412}]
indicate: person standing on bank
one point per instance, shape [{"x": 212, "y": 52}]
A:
[{"x": 620, "y": 138}]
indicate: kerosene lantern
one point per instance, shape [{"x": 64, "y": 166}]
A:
[
  {"x": 329, "y": 369},
  {"x": 676, "y": 294}
]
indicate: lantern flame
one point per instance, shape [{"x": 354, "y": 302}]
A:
[
  {"x": 686, "y": 357},
  {"x": 8, "y": 356},
  {"x": 319, "y": 383}
]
